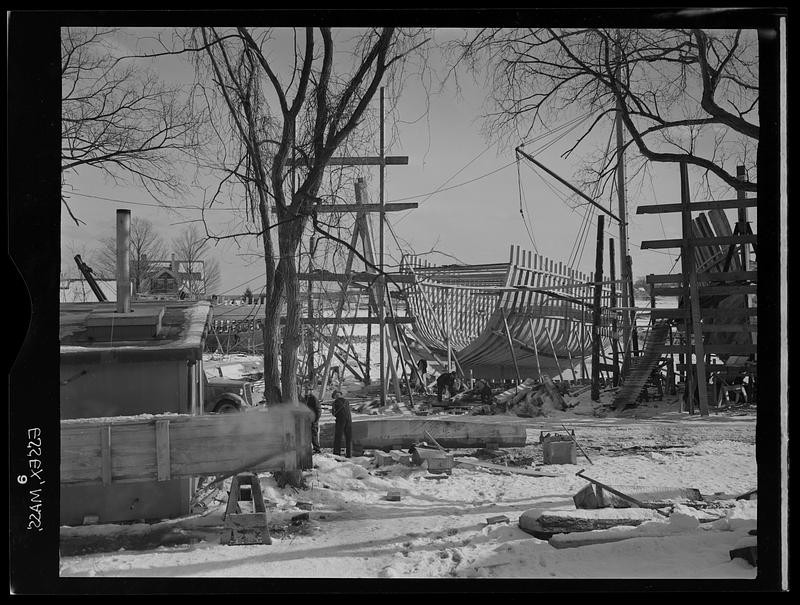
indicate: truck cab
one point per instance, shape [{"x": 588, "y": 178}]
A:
[{"x": 226, "y": 395}]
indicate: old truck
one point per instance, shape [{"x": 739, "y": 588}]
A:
[{"x": 223, "y": 395}]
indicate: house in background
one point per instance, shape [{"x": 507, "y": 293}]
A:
[{"x": 175, "y": 279}]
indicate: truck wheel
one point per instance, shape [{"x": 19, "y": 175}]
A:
[{"x": 226, "y": 407}]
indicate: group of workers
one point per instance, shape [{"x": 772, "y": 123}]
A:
[{"x": 343, "y": 431}]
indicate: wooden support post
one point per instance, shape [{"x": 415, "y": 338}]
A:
[
  {"x": 511, "y": 345},
  {"x": 401, "y": 357},
  {"x": 694, "y": 296},
  {"x": 632, "y": 305},
  {"x": 583, "y": 344},
  {"x": 368, "y": 360},
  {"x": 687, "y": 257},
  {"x": 381, "y": 280},
  {"x": 614, "y": 327},
  {"x": 535, "y": 349},
  {"x": 598, "y": 278},
  {"x": 555, "y": 355}
]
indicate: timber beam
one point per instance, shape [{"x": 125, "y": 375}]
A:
[{"x": 697, "y": 206}]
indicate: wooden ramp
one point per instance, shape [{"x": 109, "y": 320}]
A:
[
  {"x": 642, "y": 367},
  {"x": 404, "y": 431},
  {"x": 163, "y": 447}
]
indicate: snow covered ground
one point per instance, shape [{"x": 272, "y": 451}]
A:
[{"x": 439, "y": 527}]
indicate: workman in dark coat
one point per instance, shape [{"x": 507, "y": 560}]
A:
[
  {"x": 344, "y": 424},
  {"x": 445, "y": 381},
  {"x": 313, "y": 404},
  {"x": 484, "y": 390}
]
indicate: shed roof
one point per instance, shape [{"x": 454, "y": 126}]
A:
[{"x": 183, "y": 329}]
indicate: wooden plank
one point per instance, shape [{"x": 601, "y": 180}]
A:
[
  {"x": 700, "y": 241},
  {"x": 393, "y": 207},
  {"x": 714, "y": 368},
  {"x": 740, "y": 349},
  {"x": 704, "y": 313},
  {"x": 715, "y": 276},
  {"x": 697, "y": 206},
  {"x": 730, "y": 327},
  {"x": 402, "y": 431},
  {"x": 162, "y": 450},
  {"x": 708, "y": 290}
]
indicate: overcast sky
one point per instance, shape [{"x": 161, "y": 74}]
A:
[{"x": 469, "y": 193}]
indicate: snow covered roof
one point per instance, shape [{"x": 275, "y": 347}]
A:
[{"x": 183, "y": 329}]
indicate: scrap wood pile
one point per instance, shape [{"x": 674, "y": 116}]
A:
[{"x": 530, "y": 399}]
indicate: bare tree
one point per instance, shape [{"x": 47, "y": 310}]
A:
[
  {"x": 308, "y": 111},
  {"x": 190, "y": 248},
  {"x": 146, "y": 249},
  {"x": 212, "y": 276},
  {"x": 682, "y": 95},
  {"x": 118, "y": 117}
]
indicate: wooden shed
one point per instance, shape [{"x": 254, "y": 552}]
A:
[{"x": 144, "y": 362}]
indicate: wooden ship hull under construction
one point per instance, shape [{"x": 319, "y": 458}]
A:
[{"x": 521, "y": 319}]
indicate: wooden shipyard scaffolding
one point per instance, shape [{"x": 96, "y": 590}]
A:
[
  {"x": 717, "y": 287},
  {"x": 522, "y": 319}
]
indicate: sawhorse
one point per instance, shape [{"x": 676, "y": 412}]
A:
[{"x": 250, "y": 527}]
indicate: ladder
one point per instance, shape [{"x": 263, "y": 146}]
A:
[
  {"x": 245, "y": 519},
  {"x": 642, "y": 367}
]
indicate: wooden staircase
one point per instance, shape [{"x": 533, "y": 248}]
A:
[{"x": 642, "y": 367}]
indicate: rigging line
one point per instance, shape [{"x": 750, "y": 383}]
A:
[
  {"x": 572, "y": 124},
  {"x": 655, "y": 199},
  {"x": 163, "y": 206},
  {"x": 524, "y": 222},
  {"x": 412, "y": 197},
  {"x": 579, "y": 247}
]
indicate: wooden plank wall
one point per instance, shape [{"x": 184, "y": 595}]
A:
[{"x": 129, "y": 449}]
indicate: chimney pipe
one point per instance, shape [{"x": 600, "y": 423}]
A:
[
  {"x": 123, "y": 261},
  {"x": 174, "y": 264}
]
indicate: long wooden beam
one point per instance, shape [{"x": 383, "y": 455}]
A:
[
  {"x": 731, "y": 349},
  {"x": 708, "y": 290},
  {"x": 711, "y": 313},
  {"x": 405, "y": 431},
  {"x": 699, "y": 241},
  {"x": 697, "y": 206},
  {"x": 668, "y": 278}
]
